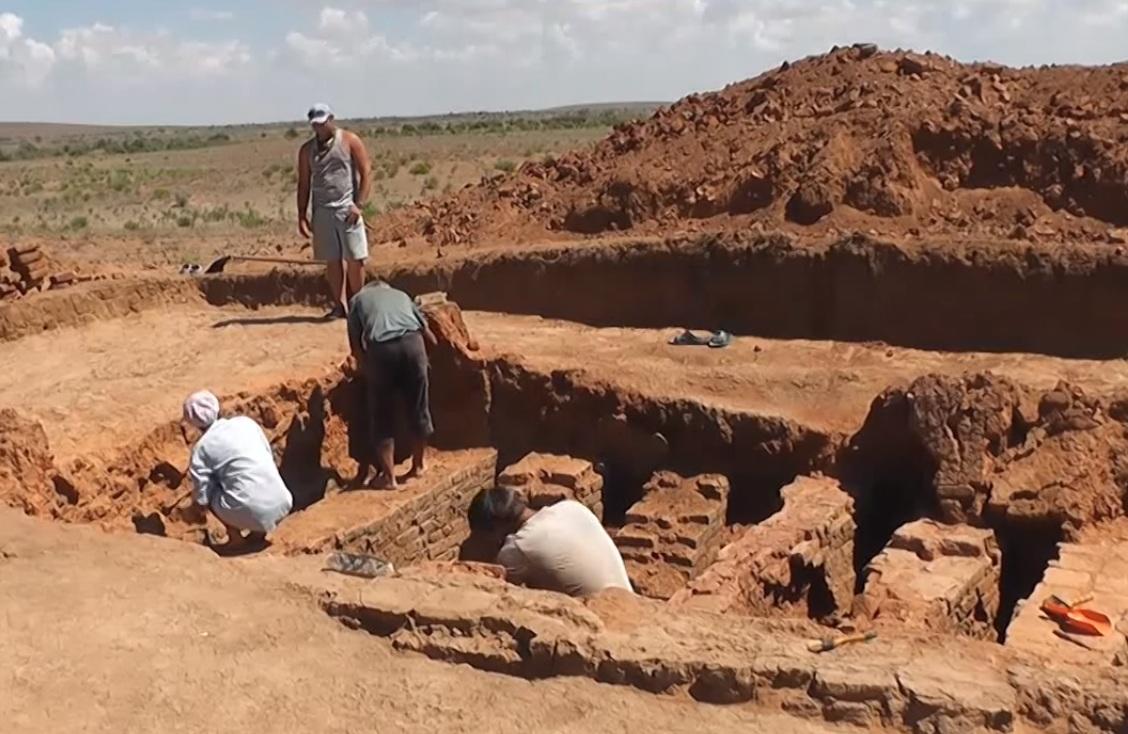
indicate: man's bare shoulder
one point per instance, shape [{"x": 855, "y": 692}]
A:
[
  {"x": 306, "y": 146},
  {"x": 353, "y": 140}
]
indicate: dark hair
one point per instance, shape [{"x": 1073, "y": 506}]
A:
[{"x": 499, "y": 508}]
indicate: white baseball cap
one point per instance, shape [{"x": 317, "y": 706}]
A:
[{"x": 319, "y": 114}]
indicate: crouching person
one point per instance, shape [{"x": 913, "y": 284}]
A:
[
  {"x": 560, "y": 548},
  {"x": 233, "y": 474}
]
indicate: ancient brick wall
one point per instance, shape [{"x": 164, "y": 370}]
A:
[
  {"x": 424, "y": 519},
  {"x": 936, "y": 577},
  {"x": 545, "y": 479},
  {"x": 674, "y": 532},
  {"x": 799, "y": 561}
]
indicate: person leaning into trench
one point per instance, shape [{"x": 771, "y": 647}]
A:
[{"x": 389, "y": 336}]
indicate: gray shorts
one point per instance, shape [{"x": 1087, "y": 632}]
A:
[{"x": 334, "y": 240}]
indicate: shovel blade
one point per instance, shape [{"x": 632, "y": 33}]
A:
[{"x": 218, "y": 266}]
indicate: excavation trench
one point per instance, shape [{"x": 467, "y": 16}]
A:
[
  {"x": 318, "y": 430},
  {"x": 989, "y": 298},
  {"x": 492, "y": 410}
]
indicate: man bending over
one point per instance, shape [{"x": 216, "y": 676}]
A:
[
  {"x": 233, "y": 473},
  {"x": 389, "y": 335},
  {"x": 561, "y": 548}
]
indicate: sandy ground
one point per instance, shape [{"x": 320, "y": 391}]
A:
[
  {"x": 103, "y": 384},
  {"x": 102, "y": 633},
  {"x": 825, "y": 385}
]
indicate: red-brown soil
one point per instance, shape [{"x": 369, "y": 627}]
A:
[{"x": 899, "y": 143}]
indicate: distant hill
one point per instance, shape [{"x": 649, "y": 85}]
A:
[{"x": 30, "y": 140}]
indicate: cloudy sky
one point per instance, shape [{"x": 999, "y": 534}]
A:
[{"x": 142, "y": 61}]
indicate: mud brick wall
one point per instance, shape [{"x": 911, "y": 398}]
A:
[
  {"x": 936, "y": 577},
  {"x": 799, "y": 561},
  {"x": 423, "y": 520},
  {"x": 431, "y": 526},
  {"x": 1099, "y": 570},
  {"x": 674, "y": 532},
  {"x": 545, "y": 479}
]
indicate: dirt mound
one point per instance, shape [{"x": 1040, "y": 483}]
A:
[
  {"x": 855, "y": 139},
  {"x": 983, "y": 450}
]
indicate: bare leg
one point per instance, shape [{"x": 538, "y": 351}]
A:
[
  {"x": 386, "y": 462},
  {"x": 235, "y": 539},
  {"x": 335, "y": 274},
  {"x": 354, "y": 273},
  {"x": 418, "y": 458}
]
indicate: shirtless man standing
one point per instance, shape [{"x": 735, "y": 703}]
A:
[{"x": 334, "y": 169}]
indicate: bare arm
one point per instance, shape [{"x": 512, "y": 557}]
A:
[
  {"x": 356, "y": 346},
  {"x": 303, "y": 191},
  {"x": 363, "y": 166}
]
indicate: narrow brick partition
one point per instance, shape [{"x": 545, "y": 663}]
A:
[
  {"x": 674, "y": 532},
  {"x": 424, "y": 519},
  {"x": 545, "y": 479},
  {"x": 943, "y": 578},
  {"x": 799, "y": 560}
]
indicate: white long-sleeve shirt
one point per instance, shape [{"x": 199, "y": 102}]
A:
[{"x": 233, "y": 471}]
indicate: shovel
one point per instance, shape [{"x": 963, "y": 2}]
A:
[
  {"x": 218, "y": 266},
  {"x": 1075, "y": 620}
]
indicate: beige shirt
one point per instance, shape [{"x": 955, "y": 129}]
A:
[{"x": 564, "y": 548}]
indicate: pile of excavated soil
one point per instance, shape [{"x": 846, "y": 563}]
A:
[{"x": 894, "y": 143}]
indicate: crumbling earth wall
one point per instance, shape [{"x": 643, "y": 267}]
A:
[
  {"x": 318, "y": 429},
  {"x": 989, "y": 451},
  {"x": 901, "y": 682},
  {"x": 799, "y": 561}
]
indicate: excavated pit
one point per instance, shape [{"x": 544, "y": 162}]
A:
[{"x": 718, "y": 505}]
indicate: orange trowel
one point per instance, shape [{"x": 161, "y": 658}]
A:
[{"x": 1072, "y": 618}]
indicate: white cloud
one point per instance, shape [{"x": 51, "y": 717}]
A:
[
  {"x": 343, "y": 40},
  {"x": 416, "y": 56},
  {"x": 23, "y": 60},
  {"x": 107, "y": 53}
]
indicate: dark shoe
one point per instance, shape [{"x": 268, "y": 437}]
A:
[
  {"x": 338, "y": 312},
  {"x": 688, "y": 339},
  {"x": 720, "y": 340}
]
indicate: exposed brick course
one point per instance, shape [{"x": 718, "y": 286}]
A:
[
  {"x": 674, "y": 532},
  {"x": 799, "y": 561}
]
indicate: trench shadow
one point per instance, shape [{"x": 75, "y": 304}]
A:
[
  {"x": 301, "y": 467},
  {"x": 271, "y": 321}
]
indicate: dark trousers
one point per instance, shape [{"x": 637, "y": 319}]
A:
[{"x": 396, "y": 373}]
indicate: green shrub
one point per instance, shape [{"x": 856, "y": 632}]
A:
[
  {"x": 132, "y": 226},
  {"x": 184, "y": 221},
  {"x": 506, "y": 166},
  {"x": 422, "y": 168},
  {"x": 431, "y": 183},
  {"x": 250, "y": 219},
  {"x": 78, "y": 223}
]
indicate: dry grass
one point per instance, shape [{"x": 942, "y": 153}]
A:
[{"x": 235, "y": 193}]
